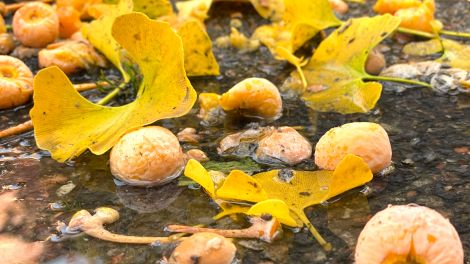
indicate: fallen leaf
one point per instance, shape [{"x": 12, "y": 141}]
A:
[
  {"x": 153, "y": 8},
  {"x": 454, "y": 54},
  {"x": 197, "y": 9},
  {"x": 198, "y": 57},
  {"x": 277, "y": 208},
  {"x": 336, "y": 71},
  {"x": 196, "y": 172},
  {"x": 60, "y": 111},
  {"x": 99, "y": 33},
  {"x": 297, "y": 189}
]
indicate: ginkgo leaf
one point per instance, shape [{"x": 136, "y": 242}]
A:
[
  {"x": 297, "y": 189},
  {"x": 241, "y": 186},
  {"x": 198, "y": 57},
  {"x": 98, "y": 32},
  {"x": 60, "y": 111},
  {"x": 273, "y": 9},
  {"x": 196, "y": 172},
  {"x": 455, "y": 54},
  {"x": 153, "y": 8},
  {"x": 277, "y": 208},
  {"x": 336, "y": 71},
  {"x": 301, "y": 20},
  {"x": 194, "y": 9}
]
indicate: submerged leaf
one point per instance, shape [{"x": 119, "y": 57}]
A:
[
  {"x": 336, "y": 71},
  {"x": 455, "y": 54},
  {"x": 60, "y": 111},
  {"x": 247, "y": 165},
  {"x": 99, "y": 33}
]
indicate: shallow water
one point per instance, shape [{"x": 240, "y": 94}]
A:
[{"x": 431, "y": 156}]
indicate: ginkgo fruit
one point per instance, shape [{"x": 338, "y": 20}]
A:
[
  {"x": 69, "y": 21},
  {"x": 253, "y": 97},
  {"x": 16, "y": 82},
  {"x": 148, "y": 156},
  {"x": 409, "y": 234},
  {"x": 70, "y": 56},
  {"x": 36, "y": 24},
  {"x": 366, "y": 140}
]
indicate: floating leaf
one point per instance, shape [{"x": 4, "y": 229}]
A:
[
  {"x": 60, "y": 111},
  {"x": 276, "y": 208},
  {"x": 99, "y": 33},
  {"x": 455, "y": 54},
  {"x": 239, "y": 185},
  {"x": 336, "y": 71},
  {"x": 196, "y": 172},
  {"x": 297, "y": 189},
  {"x": 198, "y": 57}
]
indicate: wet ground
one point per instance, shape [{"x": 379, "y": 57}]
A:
[{"x": 431, "y": 158}]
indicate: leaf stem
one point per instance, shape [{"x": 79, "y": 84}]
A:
[
  {"x": 394, "y": 79},
  {"x": 301, "y": 215},
  {"x": 415, "y": 32},
  {"x": 455, "y": 34},
  {"x": 111, "y": 95}
]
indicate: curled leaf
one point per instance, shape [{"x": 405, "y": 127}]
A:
[
  {"x": 195, "y": 171},
  {"x": 99, "y": 33},
  {"x": 276, "y": 208},
  {"x": 60, "y": 111},
  {"x": 336, "y": 71}
]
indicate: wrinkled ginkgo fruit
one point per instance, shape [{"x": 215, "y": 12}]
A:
[{"x": 60, "y": 111}]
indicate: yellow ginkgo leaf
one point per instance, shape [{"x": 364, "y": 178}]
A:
[
  {"x": 196, "y": 172},
  {"x": 272, "y": 9},
  {"x": 275, "y": 207},
  {"x": 455, "y": 54},
  {"x": 198, "y": 57},
  {"x": 231, "y": 209},
  {"x": 336, "y": 71},
  {"x": 197, "y": 9},
  {"x": 60, "y": 111},
  {"x": 153, "y": 8},
  {"x": 301, "y": 20},
  {"x": 98, "y": 32},
  {"x": 241, "y": 186}
]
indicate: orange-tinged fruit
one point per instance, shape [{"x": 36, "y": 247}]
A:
[
  {"x": 253, "y": 97},
  {"x": 409, "y": 234},
  {"x": 148, "y": 156},
  {"x": 69, "y": 21},
  {"x": 3, "y": 28},
  {"x": 419, "y": 18},
  {"x": 81, "y": 6},
  {"x": 204, "y": 248},
  {"x": 36, "y": 24},
  {"x": 70, "y": 56},
  {"x": 16, "y": 82},
  {"x": 366, "y": 140},
  {"x": 392, "y": 6},
  {"x": 339, "y": 6},
  {"x": 7, "y": 43}
]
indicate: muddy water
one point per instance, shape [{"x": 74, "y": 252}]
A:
[{"x": 431, "y": 156}]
